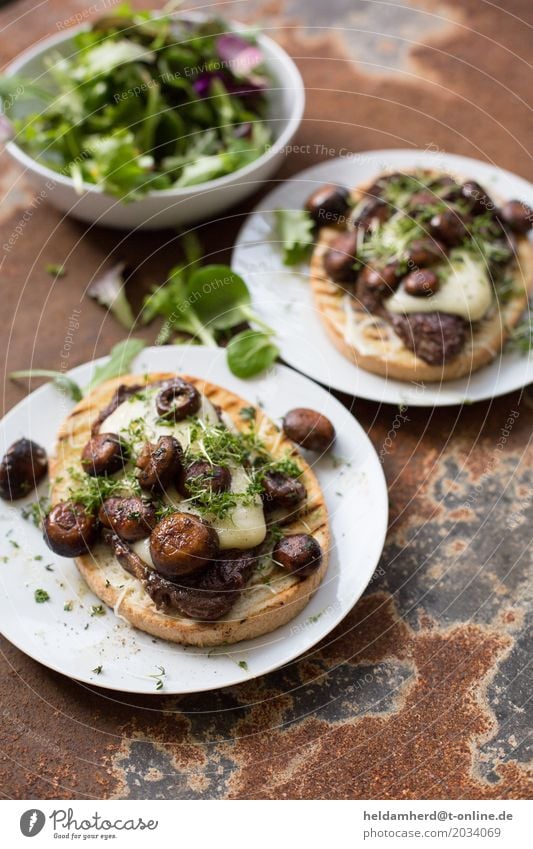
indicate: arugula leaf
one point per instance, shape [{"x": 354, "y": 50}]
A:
[
  {"x": 65, "y": 384},
  {"x": 118, "y": 362},
  {"x": 250, "y": 353},
  {"x": 109, "y": 291},
  {"x": 295, "y": 230}
]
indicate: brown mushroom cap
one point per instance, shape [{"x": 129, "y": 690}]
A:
[
  {"x": 518, "y": 216},
  {"x": 159, "y": 464},
  {"x": 339, "y": 259},
  {"x": 327, "y": 204},
  {"x": 282, "y": 491},
  {"x": 298, "y": 553},
  {"x": 421, "y": 283},
  {"x": 104, "y": 454},
  {"x": 69, "y": 530},
  {"x": 309, "y": 429},
  {"x": 214, "y": 478},
  {"x": 182, "y": 544},
  {"x": 177, "y": 400},
  {"x": 131, "y": 518},
  {"x": 22, "y": 467}
]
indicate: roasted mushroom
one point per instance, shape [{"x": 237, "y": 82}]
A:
[
  {"x": 211, "y": 477},
  {"x": 282, "y": 491},
  {"x": 339, "y": 259},
  {"x": 309, "y": 429},
  {"x": 448, "y": 227},
  {"x": 22, "y": 467},
  {"x": 478, "y": 199},
  {"x": 69, "y": 529},
  {"x": 177, "y": 400},
  {"x": 518, "y": 216},
  {"x": 420, "y": 199},
  {"x": 424, "y": 252},
  {"x": 377, "y": 188},
  {"x": 382, "y": 281},
  {"x": 328, "y": 204},
  {"x": 182, "y": 544},
  {"x": 421, "y": 283},
  {"x": 299, "y": 554},
  {"x": 159, "y": 464},
  {"x": 104, "y": 454},
  {"x": 374, "y": 211},
  {"x": 131, "y": 518}
]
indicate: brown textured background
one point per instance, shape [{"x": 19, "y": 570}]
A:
[{"x": 423, "y": 690}]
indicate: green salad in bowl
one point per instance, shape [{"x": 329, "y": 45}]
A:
[
  {"x": 149, "y": 103},
  {"x": 138, "y": 104}
]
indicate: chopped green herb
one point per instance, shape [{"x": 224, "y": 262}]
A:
[
  {"x": 98, "y": 610},
  {"x": 55, "y": 270},
  {"x": 91, "y": 491},
  {"x": 98, "y": 669},
  {"x": 36, "y": 511},
  {"x": 247, "y": 414},
  {"x": 243, "y": 665},
  {"x": 521, "y": 336},
  {"x": 315, "y": 617},
  {"x": 159, "y": 677},
  {"x": 41, "y": 596},
  {"x": 67, "y": 607}
]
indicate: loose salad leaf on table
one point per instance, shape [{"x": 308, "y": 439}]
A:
[
  {"x": 145, "y": 103},
  {"x": 295, "y": 230},
  {"x": 119, "y": 361},
  {"x": 206, "y": 303}
]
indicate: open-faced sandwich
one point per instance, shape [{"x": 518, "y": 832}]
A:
[
  {"x": 188, "y": 511},
  {"x": 420, "y": 275}
]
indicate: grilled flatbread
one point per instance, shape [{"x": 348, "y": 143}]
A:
[
  {"x": 272, "y": 596},
  {"x": 370, "y": 342}
]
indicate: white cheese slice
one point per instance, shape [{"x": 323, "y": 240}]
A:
[
  {"x": 142, "y": 549},
  {"x": 465, "y": 292},
  {"x": 244, "y": 526},
  {"x": 144, "y": 411}
]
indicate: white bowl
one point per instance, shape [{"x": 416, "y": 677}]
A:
[{"x": 170, "y": 207}]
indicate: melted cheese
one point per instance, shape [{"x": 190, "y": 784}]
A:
[
  {"x": 465, "y": 292},
  {"x": 244, "y": 526},
  {"x": 370, "y": 334},
  {"x": 144, "y": 410}
]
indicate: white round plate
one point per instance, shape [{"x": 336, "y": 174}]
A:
[
  {"x": 282, "y": 295},
  {"x": 76, "y": 643}
]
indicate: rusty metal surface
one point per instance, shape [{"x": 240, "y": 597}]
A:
[{"x": 422, "y": 691}]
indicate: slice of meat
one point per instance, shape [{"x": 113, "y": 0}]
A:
[
  {"x": 208, "y": 596},
  {"x": 435, "y": 337}
]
